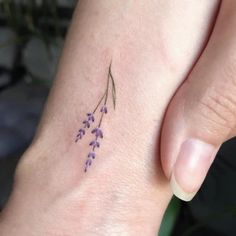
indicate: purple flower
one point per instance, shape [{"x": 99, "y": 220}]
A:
[
  {"x": 87, "y": 164},
  {"x": 86, "y": 124},
  {"x": 104, "y": 109},
  {"x": 98, "y": 132},
  {"x": 95, "y": 144},
  {"x": 82, "y": 131},
  {"x": 80, "y": 134},
  {"x": 91, "y": 117},
  {"x": 92, "y": 155}
]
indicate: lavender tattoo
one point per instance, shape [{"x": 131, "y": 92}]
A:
[{"x": 90, "y": 119}]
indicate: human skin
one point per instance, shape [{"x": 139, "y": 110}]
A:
[
  {"x": 202, "y": 114},
  {"x": 153, "y": 45}
]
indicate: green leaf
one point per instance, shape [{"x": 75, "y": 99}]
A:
[
  {"x": 170, "y": 217},
  {"x": 113, "y": 88}
]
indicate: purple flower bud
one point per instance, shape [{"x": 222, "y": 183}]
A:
[
  {"x": 98, "y": 132},
  {"x": 77, "y": 139},
  {"x": 91, "y": 117},
  {"x": 95, "y": 144},
  {"x": 86, "y": 124},
  {"x": 80, "y": 135},
  {"x": 87, "y": 164},
  {"x": 92, "y": 155},
  {"x": 82, "y": 131},
  {"x": 104, "y": 109}
]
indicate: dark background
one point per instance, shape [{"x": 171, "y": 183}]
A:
[{"x": 31, "y": 37}]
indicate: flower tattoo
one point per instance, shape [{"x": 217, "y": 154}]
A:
[{"x": 90, "y": 120}]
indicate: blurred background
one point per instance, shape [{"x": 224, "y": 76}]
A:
[{"x": 32, "y": 33}]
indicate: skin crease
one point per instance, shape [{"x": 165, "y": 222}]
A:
[{"x": 153, "y": 46}]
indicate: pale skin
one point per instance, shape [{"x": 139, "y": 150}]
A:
[{"x": 153, "y": 46}]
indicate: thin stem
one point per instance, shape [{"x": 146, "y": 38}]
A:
[
  {"x": 108, "y": 80},
  {"x": 100, "y": 101},
  {"x": 100, "y": 122},
  {"x": 113, "y": 88},
  {"x": 106, "y": 95},
  {"x": 106, "y": 92}
]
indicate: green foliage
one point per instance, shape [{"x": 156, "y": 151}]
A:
[
  {"x": 28, "y": 18},
  {"x": 170, "y": 217},
  {"x": 33, "y": 19}
]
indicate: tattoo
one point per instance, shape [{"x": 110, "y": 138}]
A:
[{"x": 90, "y": 119}]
